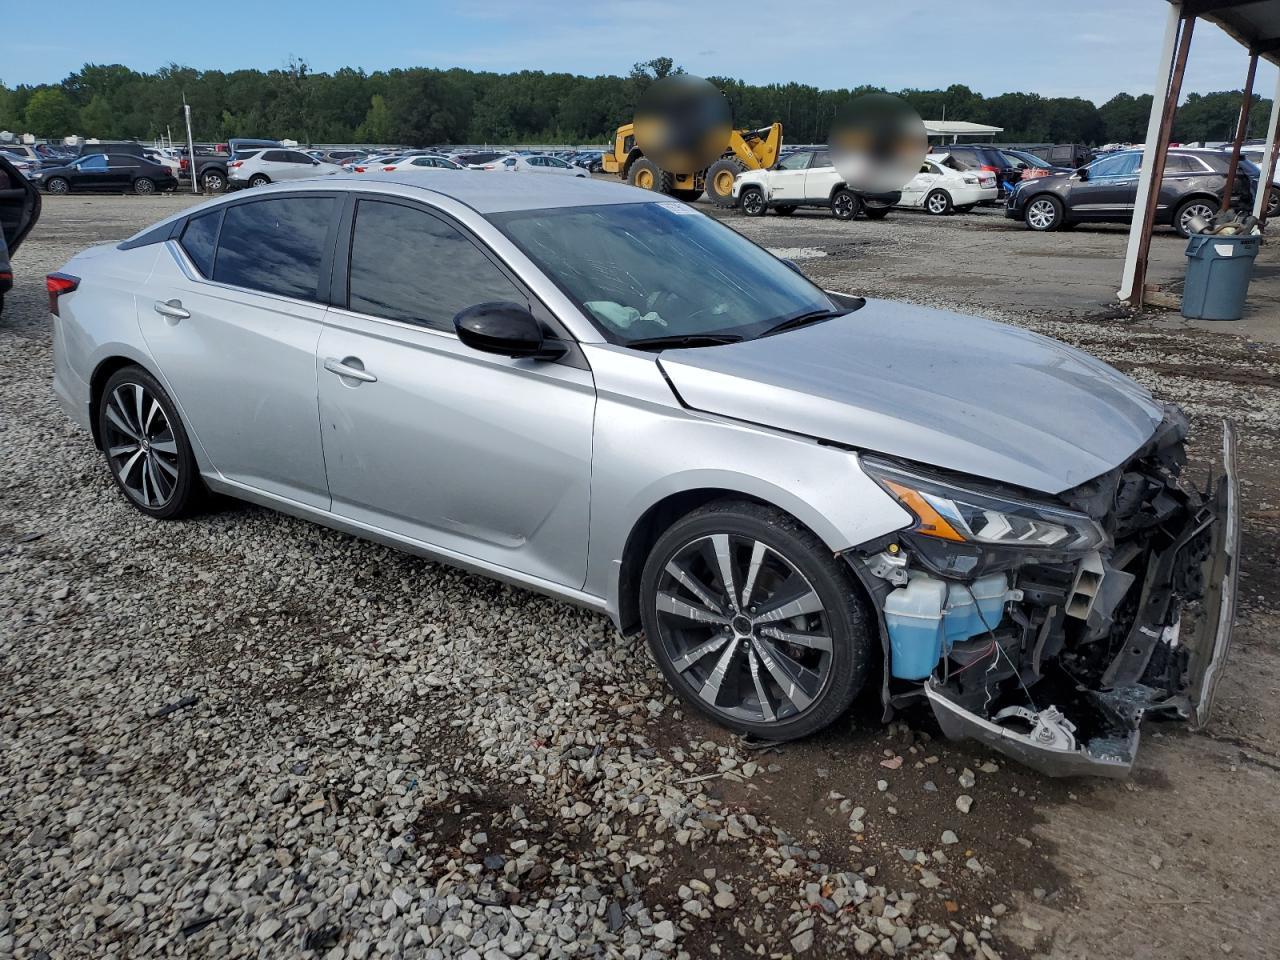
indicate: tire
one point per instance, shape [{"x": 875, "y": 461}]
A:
[
  {"x": 1043, "y": 213},
  {"x": 647, "y": 175},
  {"x": 845, "y": 204},
  {"x": 259, "y": 180},
  {"x": 785, "y": 210},
  {"x": 830, "y": 641},
  {"x": 875, "y": 213},
  {"x": 213, "y": 181},
  {"x": 164, "y": 482},
  {"x": 1195, "y": 206},
  {"x": 938, "y": 203},
  {"x": 58, "y": 185},
  {"x": 144, "y": 187},
  {"x": 752, "y": 202},
  {"x": 719, "y": 180},
  {"x": 688, "y": 196}
]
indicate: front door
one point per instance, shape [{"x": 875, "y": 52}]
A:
[
  {"x": 918, "y": 187},
  {"x": 787, "y": 181},
  {"x": 1110, "y": 189},
  {"x": 91, "y": 173},
  {"x": 487, "y": 457},
  {"x": 233, "y": 318}
]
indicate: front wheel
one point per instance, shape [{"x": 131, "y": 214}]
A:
[
  {"x": 845, "y": 204},
  {"x": 752, "y": 200},
  {"x": 1044, "y": 213},
  {"x": 754, "y": 622},
  {"x": 146, "y": 447},
  {"x": 938, "y": 203}
]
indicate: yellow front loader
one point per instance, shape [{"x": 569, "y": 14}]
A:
[{"x": 747, "y": 150}]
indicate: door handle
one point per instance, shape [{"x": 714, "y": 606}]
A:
[
  {"x": 345, "y": 368},
  {"x": 172, "y": 309}
]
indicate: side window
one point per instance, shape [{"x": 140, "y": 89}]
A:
[
  {"x": 821, "y": 159},
  {"x": 294, "y": 157},
  {"x": 120, "y": 161},
  {"x": 275, "y": 246},
  {"x": 97, "y": 162},
  {"x": 273, "y": 156},
  {"x": 555, "y": 162},
  {"x": 1180, "y": 163},
  {"x": 1120, "y": 166},
  {"x": 797, "y": 161},
  {"x": 198, "y": 239},
  {"x": 409, "y": 265}
]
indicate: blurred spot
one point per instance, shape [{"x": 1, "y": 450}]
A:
[
  {"x": 683, "y": 123},
  {"x": 878, "y": 143}
]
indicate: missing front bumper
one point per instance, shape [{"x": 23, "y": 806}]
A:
[{"x": 1045, "y": 739}]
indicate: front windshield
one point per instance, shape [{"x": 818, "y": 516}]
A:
[{"x": 646, "y": 270}]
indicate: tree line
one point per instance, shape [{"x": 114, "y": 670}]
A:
[{"x": 421, "y": 105}]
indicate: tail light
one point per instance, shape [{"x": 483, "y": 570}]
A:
[
  {"x": 988, "y": 168},
  {"x": 359, "y": 169},
  {"x": 235, "y": 163},
  {"x": 57, "y": 284},
  {"x": 183, "y": 163},
  {"x": 388, "y": 169}
]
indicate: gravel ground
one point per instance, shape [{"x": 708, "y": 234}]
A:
[{"x": 244, "y": 735}]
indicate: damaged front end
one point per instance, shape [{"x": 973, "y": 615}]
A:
[{"x": 1049, "y": 628}]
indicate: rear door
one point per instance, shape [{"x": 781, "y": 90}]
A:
[
  {"x": 484, "y": 456},
  {"x": 120, "y": 172},
  {"x": 820, "y": 177},
  {"x": 233, "y": 317}
]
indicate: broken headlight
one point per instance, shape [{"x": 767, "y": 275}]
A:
[{"x": 946, "y": 512}]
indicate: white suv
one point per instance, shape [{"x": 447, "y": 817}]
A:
[
  {"x": 807, "y": 178},
  {"x": 253, "y": 168}
]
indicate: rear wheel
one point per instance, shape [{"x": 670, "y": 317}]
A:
[
  {"x": 845, "y": 204},
  {"x": 213, "y": 181},
  {"x": 58, "y": 185},
  {"x": 144, "y": 187},
  {"x": 146, "y": 447},
  {"x": 647, "y": 175},
  {"x": 1043, "y": 213},
  {"x": 752, "y": 201},
  {"x": 1195, "y": 207},
  {"x": 753, "y": 621},
  {"x": 720, "y": 177},
  {"x": 259, "y": 180},
  {"x": 938, "y": 203}
]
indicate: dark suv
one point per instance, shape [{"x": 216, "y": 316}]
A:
[
  {"x": 1105, "y": 191},
  {"x": 983, "y": 156}
]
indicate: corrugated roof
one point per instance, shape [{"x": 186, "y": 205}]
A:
[{"x": 1253, "y": 23}]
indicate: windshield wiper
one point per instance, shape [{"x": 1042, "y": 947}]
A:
[
  {"x": 684, "y": 340},
  {"x": 803, "y": 320}
]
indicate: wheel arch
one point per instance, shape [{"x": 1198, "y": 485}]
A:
[
  {"x": 662, "y": 513},
  {"x": 98, "y": 381},
  {"x": 1214, "y": 200}
]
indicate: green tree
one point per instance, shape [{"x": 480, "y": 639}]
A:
[
  {"x": 376, "y": 127},
  {"x": 50, "y": 113}
]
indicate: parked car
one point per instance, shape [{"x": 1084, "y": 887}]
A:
[
  {"x": 1105, "y": 191},
  {"x": 107, "y": 173},
  {"x": 942, "y": 188},
  {"x": 19, "y": 212},
  {"x": 478, "y": 159},
  {"x": 210, "y": 168},
  {"x": 23, "y": 164},
  {"x": 652, "y": 416},
  {"x": 1255, "y": 154},
  {"x": 590, "y": 160},
  {"x": 255, "y": 168},
  {"x": 1031, "y": 166},
  {"x": 536, "y": 163},
  {"x": 983, "y": 156},
  {"x": 807, "y": 178},
  {"x": 424, "y": 161}
]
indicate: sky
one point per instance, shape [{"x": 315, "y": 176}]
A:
[{"x": 1086, "y": 48}]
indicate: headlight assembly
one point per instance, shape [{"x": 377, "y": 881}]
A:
[{"x": 946, "y": 512}]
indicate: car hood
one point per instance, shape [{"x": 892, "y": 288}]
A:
[{"x": 938, "y": 388}]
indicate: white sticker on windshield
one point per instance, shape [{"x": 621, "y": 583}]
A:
[{"x": 682, "y": 209}]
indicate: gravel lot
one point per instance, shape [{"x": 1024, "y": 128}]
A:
[{"x": 244, "y": 735}]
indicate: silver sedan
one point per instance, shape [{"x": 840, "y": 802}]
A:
[{"x": 600, "y": 393}]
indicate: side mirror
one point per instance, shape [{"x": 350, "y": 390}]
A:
[
  {"x": 1082, "y": 173},
  {"x": 505, "y": 328}
]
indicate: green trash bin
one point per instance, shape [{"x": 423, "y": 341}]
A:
[{"x": 1218, "y": 272}]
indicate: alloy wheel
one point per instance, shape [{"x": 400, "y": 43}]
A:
[
  {"x": 1199, "y": 209},
  {"x": 140, "y": 445},
  {"x": 752, "y": 202},
  {"x": 937, "y": 203},
  {"x": 213, "y": 182},
  {"x": 743, "y": 628},
  {"x": 1041, "y": 214},
  {"x": 58, "y": 186}
]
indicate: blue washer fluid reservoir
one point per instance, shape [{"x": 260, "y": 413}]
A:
[{"x": 914, "y": 617}]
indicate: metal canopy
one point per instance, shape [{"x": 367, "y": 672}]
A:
[{"x": 1255, "y": 24}]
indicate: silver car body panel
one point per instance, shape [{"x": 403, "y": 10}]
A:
[{"x": 921, "y": 384}]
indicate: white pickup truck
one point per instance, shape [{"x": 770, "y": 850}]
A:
[{"x": 807, "y": 178}]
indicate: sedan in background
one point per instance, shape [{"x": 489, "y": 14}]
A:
[
  {"x": 1105, "y": 191},
  {"x": 536, "y": 163},
  {"x": 256, "y": 168},
  {"x": 480, "y": 160},
  {"x": 23, "y": 164},
  {"x": 429, "y": 161},
  {"x": 941, "y": 187},
  {"x": 107, "y": 173}
]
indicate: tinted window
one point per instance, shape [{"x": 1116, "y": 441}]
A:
[
  {"x": 119, "y": 160},
  {"x": 97, "y": 162},
  {"x": 292, "y": 157},
  {"x": 274, "y": 156},
  {"x": 275, "y": 245},
  {"x": 1117, "y": 166},
  {"x": 1181, "y": 163},
  {"x": 821, "y": 159},
  {"x": 198, "y": 239},
  {"x": 409, "y": 265}
]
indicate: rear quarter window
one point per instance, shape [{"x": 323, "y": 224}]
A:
[{"x": 199, "y": 239}]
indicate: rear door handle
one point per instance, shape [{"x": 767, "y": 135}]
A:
[
  {"x": 172, "y": 309},
  {"x": 346, "y": 368}
]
